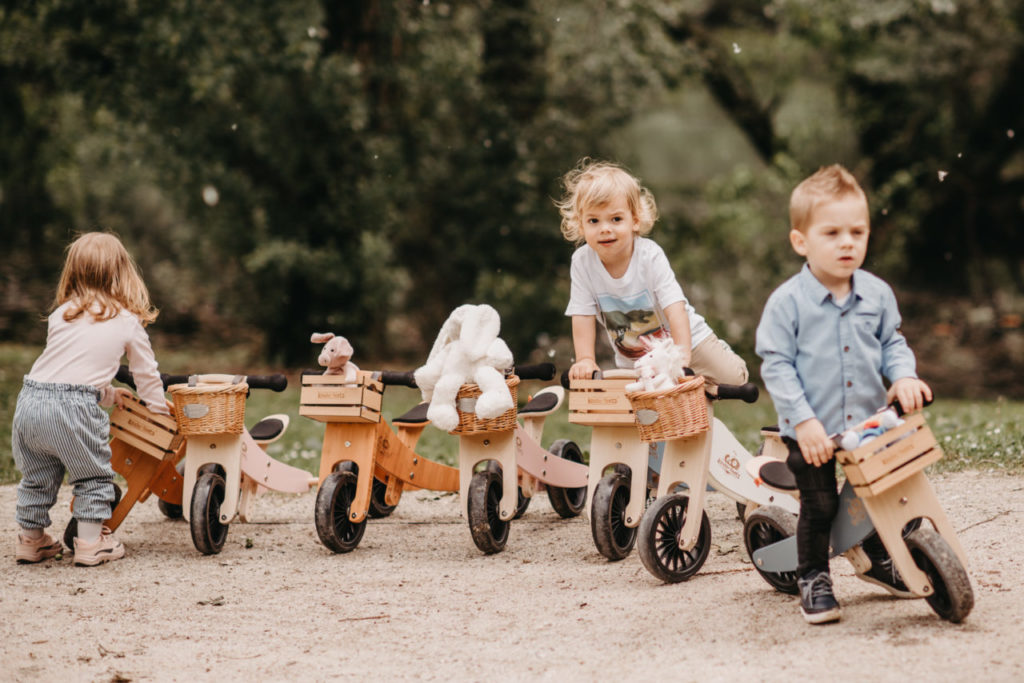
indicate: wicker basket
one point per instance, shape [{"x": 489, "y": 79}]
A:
[
  {"x": 680, "y": 412},
  {"x": 469, "y": 423},
  {"x": 209, "y": 408}
]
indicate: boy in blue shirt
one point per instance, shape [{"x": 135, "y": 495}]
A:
[{"x": 827, "y": 337}]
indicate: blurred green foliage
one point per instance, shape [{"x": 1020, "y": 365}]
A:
[{"x": 364, "y": 167}]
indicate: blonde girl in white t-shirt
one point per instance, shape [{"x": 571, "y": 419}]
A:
[
  {"x": 624, "y": 280},
  {"x": 100, "y": 311}
]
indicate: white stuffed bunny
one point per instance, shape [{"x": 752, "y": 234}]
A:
[
  {"x": 467, "y": 349},
  {"x": 659, "y": 369}
]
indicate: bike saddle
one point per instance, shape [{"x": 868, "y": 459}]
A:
[
  {"x": 417, "y": 415},
  {"x": 546, "y": 401},
  {"x": 771, "y": 472},
  {"x": 269, "y": 428}
]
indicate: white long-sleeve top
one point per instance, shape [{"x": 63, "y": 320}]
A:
[{"x": 87, "y": 352}]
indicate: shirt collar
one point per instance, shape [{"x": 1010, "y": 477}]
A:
[{"x": 819, "y": 292}]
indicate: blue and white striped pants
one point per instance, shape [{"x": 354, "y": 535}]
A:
[{"x": 58, "y": 428}]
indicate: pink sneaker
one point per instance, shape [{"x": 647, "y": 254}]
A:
[
  {"x": 30, "y": 551},
  {"x": 105, "y": 549}
]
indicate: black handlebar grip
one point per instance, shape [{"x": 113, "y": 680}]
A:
[
  {"x": 543, "y": 371},
  {"x": 401, "y": 379},
  {"x": 747, "y": 393},
  {"x": 276, "y": 382},
  {"x": 124, "y": 376},
  {"x": 564, "y": 380},
  {"x": 168, "y": 380}
]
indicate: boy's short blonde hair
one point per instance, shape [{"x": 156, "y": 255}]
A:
[
  {"x": 597, "y": 183},
  {"x": 827, "y": 183}
]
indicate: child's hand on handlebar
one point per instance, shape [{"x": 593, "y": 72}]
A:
[
  {"x": 815, "y": 445},
  {"x": 583, "y": 369},
  {"x": 120, "y": 394},
  {"x": 911, "y": 392}
]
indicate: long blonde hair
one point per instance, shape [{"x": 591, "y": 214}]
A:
[
  {"x": 594, "y": 184},
  {"x": 99, "y": 272}
]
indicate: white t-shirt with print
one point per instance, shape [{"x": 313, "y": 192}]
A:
[{"x": 632, "y": 306}]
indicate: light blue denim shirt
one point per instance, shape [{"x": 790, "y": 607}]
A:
[{"x": 825, "y": 360}]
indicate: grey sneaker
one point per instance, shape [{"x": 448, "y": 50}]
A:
[
  {"x": 817, "y": 603},
  {"x": 105, "y": 549},
  {"x": 883, "y": 573}
]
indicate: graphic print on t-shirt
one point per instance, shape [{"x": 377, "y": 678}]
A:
[{"x": 631, "y": 320}]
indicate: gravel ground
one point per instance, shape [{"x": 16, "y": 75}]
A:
[{"x": 417, "y": 600}]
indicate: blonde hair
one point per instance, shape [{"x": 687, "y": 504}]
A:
[
  {"x": 828, "y": 183},
  {"x": 597, "y": 183},
  {"x": 99, "y": 271}
]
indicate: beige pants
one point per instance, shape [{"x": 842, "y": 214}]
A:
[{"x": 719, "y": 364}]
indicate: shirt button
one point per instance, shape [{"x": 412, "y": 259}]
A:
[
  {"x": 849, "y": 383},
  {"x": 787, "y": 420},
  {"x": 846, "y": 349},
  {"x": 849, "y": 418}
]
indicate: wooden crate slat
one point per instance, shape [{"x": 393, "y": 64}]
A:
[
  {"x": 898, "y": 475},
  {"x": 892, "y": 457},
  {"x": 136, "y": 424},
  {"x": 144, "y": 446}
]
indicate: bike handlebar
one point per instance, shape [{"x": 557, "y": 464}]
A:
[
  {"x": 747, "y": 393},
  {"x": 275, "y": 382},
  {"x": 541, "y": 371}
]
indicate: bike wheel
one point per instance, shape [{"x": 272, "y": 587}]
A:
[
  {"x": 378, "y": 505},
  {"x": 208, "y": 533},
  {"x": 489, "y": 531},
  {"x": 767, "y": 525},
  {"x": 332, "y": 512},
  {"x": 658, "y": 541},
  {"x": 612, "y": 537},
  {"x": 567, "y": 502},
  {"x": 71, "y": 530},
  {"x": 953, "y": 597},
  {"x": 522, "y": 502}
]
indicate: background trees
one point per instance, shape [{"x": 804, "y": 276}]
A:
[{"x": 364, "y": 167}]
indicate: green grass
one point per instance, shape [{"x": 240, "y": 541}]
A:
[{"x": 975, "y": 435}]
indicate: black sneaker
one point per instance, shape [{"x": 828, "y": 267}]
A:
[
  {"x": 817, "y": 603},
  {"x": 883, "y": 573}
]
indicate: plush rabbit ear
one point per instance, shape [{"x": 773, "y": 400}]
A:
[{"x": 321, "y": 337}]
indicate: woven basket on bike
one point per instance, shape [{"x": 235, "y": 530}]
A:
[
  {"x": 681, "y": 411},
  {"x": 469, "y": 423},
  {"x": 209, "y": 408}
]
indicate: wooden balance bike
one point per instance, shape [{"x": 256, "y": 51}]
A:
[
  {"x": 365, "y": 465},
  {"x": 502, "y": 445},
  {"x": 886, "y": 490},
  {"x": 622, "y": 445},
  {"x": 225, "y": 466}
]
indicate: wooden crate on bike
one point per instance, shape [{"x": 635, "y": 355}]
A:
[
  {"x": 600, "y": 403},
  {"x": 153, "y": 434},
  {"x": 890, "y": 457},
  {"x": 329, "y": 398}
]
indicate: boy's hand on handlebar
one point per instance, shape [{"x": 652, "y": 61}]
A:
[
  {"x": 911, "y": 392},
  {"x": 583, "y": 369},
  {"x": 815, "y": 445}
]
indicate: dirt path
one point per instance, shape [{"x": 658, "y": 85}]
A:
[{"x": 417, "y": 600}]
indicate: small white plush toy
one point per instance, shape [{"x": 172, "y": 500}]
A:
[
  {"x": 335, "y": 355},
  {"x": 467, "y": 349},
  {"x": 660, "y": 368}
]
